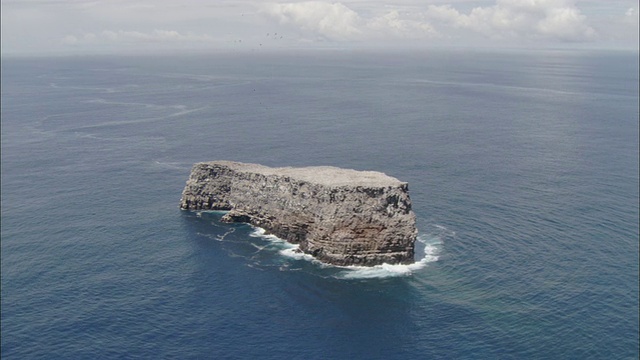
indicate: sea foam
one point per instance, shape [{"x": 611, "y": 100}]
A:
[
  {"x": 431, "y": 241},
  {"x": 431, "y": 250}
]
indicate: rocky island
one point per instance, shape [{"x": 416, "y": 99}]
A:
[{"x": 340, "y": 216}]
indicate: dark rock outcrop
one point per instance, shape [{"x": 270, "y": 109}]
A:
[{"x": 340, "y": 216}]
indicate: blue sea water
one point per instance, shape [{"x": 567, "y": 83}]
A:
[{"x": 522, "y": 168}]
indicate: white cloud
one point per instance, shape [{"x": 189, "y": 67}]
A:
[
  {"x": 631, "y": 16},
  {"x": 336, "y": 21},
  {"x": 41, "y": 26},
  {"x": 566, "y": 24},
  {"x": 330, "y": 20},
  {"x": 631, "y": 12},
  {"x": 400, "y": 25},
  {"x": 550, "y": 20},
  {"x": 556, "y": 20}
]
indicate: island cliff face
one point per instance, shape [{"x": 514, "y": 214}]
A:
[{"x": 340, "y": 216}]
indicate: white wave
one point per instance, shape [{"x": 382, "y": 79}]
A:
[
  {"x": 285, "y": 248},
  {"x": 262, "y": 233},
  {"x": 295, "y": 253},
  {"x": 431, "y": 251},
  {"x": 432, "y": 244}
]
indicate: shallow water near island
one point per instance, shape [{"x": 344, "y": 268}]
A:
[{"x": 522, "y": 170}]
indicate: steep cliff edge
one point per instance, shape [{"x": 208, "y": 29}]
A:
[{"x": 340, "y": 216}]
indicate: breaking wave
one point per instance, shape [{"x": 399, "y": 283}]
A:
[
  {"x": 428, "y": 244},
  {"x": 431, "y": 251}
]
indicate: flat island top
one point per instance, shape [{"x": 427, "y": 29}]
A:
[{"x": 324, "y": 175}]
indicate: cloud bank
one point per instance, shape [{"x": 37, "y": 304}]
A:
[
  {"x": 89, "y": 25},
  {"x": 330, "y": 20},
  {"x": 557, "y": 20}
]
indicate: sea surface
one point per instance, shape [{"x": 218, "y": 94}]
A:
[{"x": 522, "y": 169}]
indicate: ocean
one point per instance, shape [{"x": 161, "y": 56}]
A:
[{"x": 522, "y": 168}]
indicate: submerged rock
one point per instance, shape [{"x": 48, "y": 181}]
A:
[{"x": 340, "y": 216}]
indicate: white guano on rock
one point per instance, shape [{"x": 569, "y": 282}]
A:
[{"x": 340, "y": 216}]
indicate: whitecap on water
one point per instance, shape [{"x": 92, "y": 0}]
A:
[
  {"x": 262, "y": 233},
  {"x": 283, "y": 247},
  {"x": 431, "y": 243},
  {"x": 295, "y": 253},
  {"x": 431, "y": 251}
]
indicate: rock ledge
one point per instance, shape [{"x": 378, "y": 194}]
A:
[{"x": 340, "y": 216}]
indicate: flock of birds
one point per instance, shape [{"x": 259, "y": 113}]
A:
[{"x": 273, "y": 36}]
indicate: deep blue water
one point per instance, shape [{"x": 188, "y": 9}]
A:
[{"x": 523, "y": 171}]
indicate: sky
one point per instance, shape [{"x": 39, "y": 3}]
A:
[{"x": 131, "y": 26}]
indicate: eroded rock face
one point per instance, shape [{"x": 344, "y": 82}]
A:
[{"x": 340, "y": 216}]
